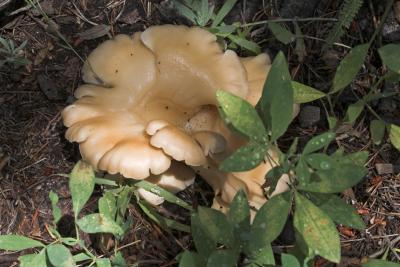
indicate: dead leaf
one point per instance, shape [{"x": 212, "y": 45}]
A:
[{"x": 95, "y": 32}]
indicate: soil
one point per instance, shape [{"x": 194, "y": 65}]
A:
[{"x": 34, "y": 152}]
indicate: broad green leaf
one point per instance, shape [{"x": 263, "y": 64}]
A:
[
  {"x": 358, "y": 158},
  {"x": 272, "y": 177},
  {"x": 335, "y": 178},
  {"x": 225, "y": 257},
  {"x": 98, "y": 223},
  {"x": 239, "y": 217},
  {"x": 30, "y": 260},
  {"x": 380, "y": 263},
  {"x": 317, "y": 229},
  {"x": 81, "y": 185},
  {"x": 377, "y": 129},
  {"x": 228, "y": 5},
  {"x": 354, "y": 111},
  {"x": 69, "y": 241},
  {"x": 59, "y": 256},
  {"x": 205, "y": 243},
  {"x": 318, "y": 142},
  {"x": 245, "y": 158},
  {"x": 165, "y": 223},
  {"x": 276, "y": 103},
  {"x": 262, "y": 257},
  {"x": 320, "y": 161},
  {"x": 244, "y": 43},
  {"x": 303, "y": 93},
  {"x": 270, "y": 220},
  {"x": 338, "y": 210},
  {"x": 390, "y": 55},
  {"x": 56, "y": 210},
  {"x": 303, "y": 172},
  {"x": 190, "y": 259},
  {"x": 241, "y": 115},
  {"x": 281, "y": 33},
  {"x": 289, "y": 261},
  {"x": 185, "y": 11},
  {"x": 394, "y": 135},
  {"x": 118, "y": 260},
  {"x": 159, "y": 191},
  {"x": 103, "y": 262},
  {"x": 108, "y": 205},
  {"x": 18, "y": 242},
  {"x": 223, "y": 30},
  {"x": 349, "y": 67},
  {"x": 123, "y": 199},
  {"x": 217, "y": 225},
  {"x": 81, "y": 257}
]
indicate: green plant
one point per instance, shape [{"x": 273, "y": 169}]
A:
[
  {"x": 12, "y": 55},
  {"x": 202, "y": 14}
]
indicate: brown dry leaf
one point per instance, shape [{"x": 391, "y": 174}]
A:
[
  {"x": 346, "y": 231},
  {"x": 95, "y": 32},
  {"x": 362, "y": 211},
  {"x": 376, "y": 180}
]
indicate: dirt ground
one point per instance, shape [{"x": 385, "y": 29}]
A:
[{"x": 33, "y": 150}]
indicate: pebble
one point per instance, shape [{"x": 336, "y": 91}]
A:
[{"x": 309, "y": 116}]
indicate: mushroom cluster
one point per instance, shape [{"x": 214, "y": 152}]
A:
[{"x": 148, "y": 111}]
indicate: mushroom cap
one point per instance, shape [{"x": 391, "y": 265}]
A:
[{"x": 164, "y": 74}]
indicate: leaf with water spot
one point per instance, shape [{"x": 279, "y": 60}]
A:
[
  {"x": 349, "y": 67},
  {"x": 60, "y": 256},
  {"x": 262, "y": 257},
  {"x": 108, "y": 205},
  {"x": 318, "y": 142},
  {"x": 302, "y": 171},
  {"x": 239, "y": 217},
  {"x": 18, "y": 242},
  {"x": 81, "y": 185},
  {"x": 241, "y": 115},
  {"x": 276, "y": 103},
  {"x": 338, "y": 210},
  {"x": 303, "y": 93},
  {"x": 97, "y": 223},
  {"x": 336, "y": 179},
  {"x": 30, "y": 260},
  {"x": 204, "y": 242},
  {"x": 317, "y": 229},
  {"x": 245, "y": 158},
  {"x": 320, "y": 161},
  {"x": 269, "y": 221}
]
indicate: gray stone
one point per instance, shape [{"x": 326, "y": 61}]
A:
[
  {"x": 391, "y": 28},
  {"x": 384, "y": 168},
  {"x": 309, "y": 116}
]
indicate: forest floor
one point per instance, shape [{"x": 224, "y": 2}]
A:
[{"x": 34, "y": 152}]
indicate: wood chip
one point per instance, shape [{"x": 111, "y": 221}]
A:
[
  {"x": 95, "y": 32},
  {"x": 384, "y": 168}
]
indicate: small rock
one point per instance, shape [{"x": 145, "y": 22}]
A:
[
  {"x": 49, "y": 88},
  {"x": 384, "y": 168},
  {"x": 309, "y": 116},
  {"x": 391, "y": 28}
]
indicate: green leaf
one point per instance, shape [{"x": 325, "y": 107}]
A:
[
  {"x": 18, "y": 242},
  {"x": 349, "y": 67},
  {"x": 30, "y": 260},
  {"x": 185, "y": 11},
  {"x": 281, "y": 33},
  {"x": 108, "y": 206},
  {"x": 241, "y": 115},
  {"x": 123, "y": 199},
  {"x": 190, "y": 259},
  {"x": 239, "y": 217},
  {"x": 205, "y": 243},
  {"x": 98, "y": 223},
  {"x": 245, "y": 158},
  {"x": 358, "y": 158},
  {"x": 118, "y": 260},
  {"x": 318, "y": 142},
  {"x": 300, "y": 48},
  {"x": 244, "y": 43},
  {"x": 317, "y": 229},
  {"x": 303, "y": 93},
  {"x": 302, "y": 171},
  {"x": 56, "y": 210},
  {"x": 59, "y": 256},
  {"x": 262, "y": 257},
  {"x": 354, "y": 111},
  {"x": 380, "y": 263},
  {"x": 338, "y": 210},
  {"x": 332, "y": 121},
  {"x": 270, "y": 220},
  {"x": 394, "y": 135},
  {"x": 225, "y": 257},
  {"x": 103, "y": 262},
  {"x": 228, "y": 5},
  {"x": 390, "y": 55},
  {"x": 377, "y": 129},
  {"x": 276, "y": 103},
  {"x": 81, "y": 257},
  {"x": 165, "y": 223},
  {"x": 335, "y": 178},
  {"x": 81, "y": 185},
  {"x": 272, "y": 177},
  {"x": 289, "y": 261},
  {"x": 159, "y": 191},
  {"x": 217, "y": 225}
]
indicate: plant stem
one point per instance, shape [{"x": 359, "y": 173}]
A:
[{"x": 389, "y": 5}]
